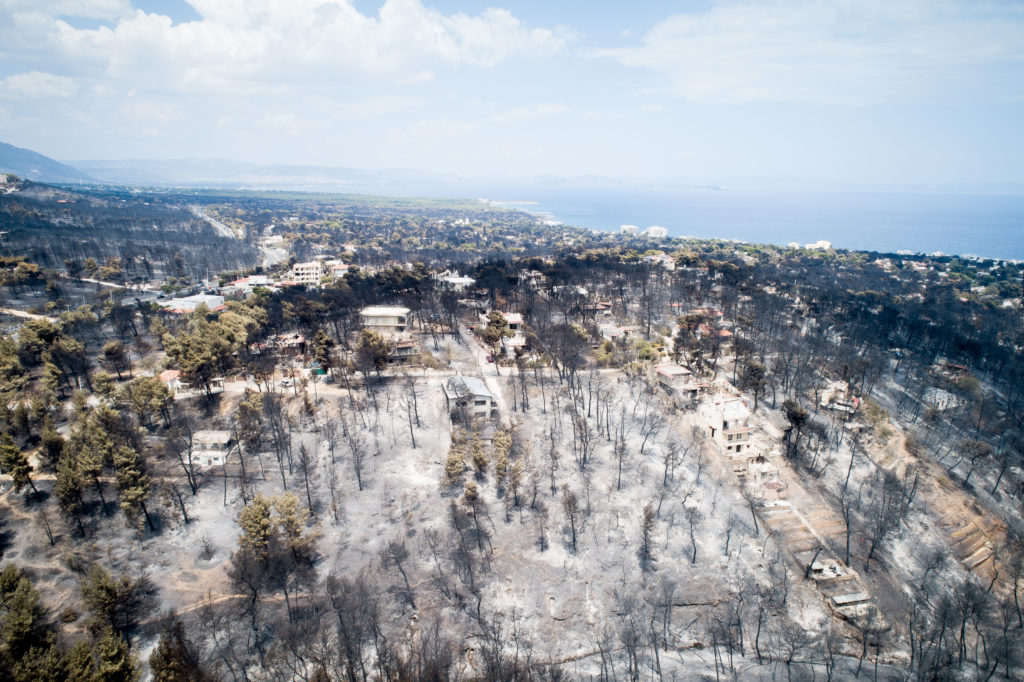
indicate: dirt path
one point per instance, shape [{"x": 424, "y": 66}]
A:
[{"x": 13, "y": 312}]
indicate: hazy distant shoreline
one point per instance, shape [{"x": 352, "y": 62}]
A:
[{"x": 989, "y": 225}]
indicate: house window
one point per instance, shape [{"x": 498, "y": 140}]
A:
[{"x": 480, "y": 402}]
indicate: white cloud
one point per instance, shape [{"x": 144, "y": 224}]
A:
[
  {"x": 530, "y": 113},
  {"x": 834, "y": 51},
  {"x": 37, "y": 85},
  {"x": 269, "y": 46},
  {"x": 424, "y": 130}
]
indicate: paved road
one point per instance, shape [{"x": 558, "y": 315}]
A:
[{"x": 222, "y": 229}]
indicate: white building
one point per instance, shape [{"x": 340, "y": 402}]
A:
[
  {"x": 629, "y": 229},
  {"x": 335, "y": 269},
  {"x": 244, "y": 285},
  {"x": 171, "y": 379},
  {"x": 452, "y": 280},
  {"x": 663, "y": 260},
  {"x": 468, "y": 399},
  {"x": 188, "y": 304},
  {"x": 311, "y": 273},
  {"x": 385, "y": 319},
  {"x": 210, "y": 448},
  {"x": 727, "y": 423},
  {"x": 821, "y": 245},
  {"x": 513, "y": 320},
  {"x": 614, "y": 332},
  {"x": 656, "y": 232},
  {"x": 510, "y": 345}
]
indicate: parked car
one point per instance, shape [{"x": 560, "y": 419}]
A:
[{"x": 287, "y": 383}]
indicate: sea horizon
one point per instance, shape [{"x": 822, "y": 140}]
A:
[{"x": 953, "y": 224}]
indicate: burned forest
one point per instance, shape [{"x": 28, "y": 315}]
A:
[{"x": 272, "y": 436}]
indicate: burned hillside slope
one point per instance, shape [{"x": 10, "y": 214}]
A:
[{"x": 50, "y": 225}]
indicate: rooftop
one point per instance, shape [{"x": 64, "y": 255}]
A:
[
  {"x": 472, "y": 385},
  {"x": 672, "y": 371},
  {"x": 212, "y": 436},
  {"x": 384, "y": 311}
]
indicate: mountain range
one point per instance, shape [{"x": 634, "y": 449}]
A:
[
  {"x": 31, "y": 165},
  {"x": 226, "y": 173}
]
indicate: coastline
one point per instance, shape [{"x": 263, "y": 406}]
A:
[{"x": 963, "y": 225}]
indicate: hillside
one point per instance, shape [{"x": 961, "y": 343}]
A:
[
  {"x": 227, "y": 173},
  {"x": 50, "y": 226},
  {"x": 31, "y": 165}
]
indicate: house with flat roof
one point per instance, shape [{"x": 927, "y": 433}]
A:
[
  {"x": 454, "y": 281},
  {"x": 680, "y": 384},
  {"x": 188, "y": 304},
  {"x": 726, "y": 421},
  {"x": 614, "y": 332},
  {"x": 210, "y": 447},
  {"x": 385, "y": 319},
  {"x": 243, "y": 286},
  {"x": 663, "y": 260},
  {"x": 468, "y": 399},
  {"x": 311, "y": 273},
  {"x": 513, "y": 320}
]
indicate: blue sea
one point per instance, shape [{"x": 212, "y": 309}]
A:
[{"x": 989, "y": 225}]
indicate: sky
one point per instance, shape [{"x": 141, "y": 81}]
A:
[{"x": 886, "y": 91}]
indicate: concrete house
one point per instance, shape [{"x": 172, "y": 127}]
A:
[
  {"x": 468, "y": 399},
  {"x": 680, "y": 384},
  {"x": 726, "y": 420},
  {"x": 311, "y": 273},
  {"x": 513, "y": 320},
  {"x": 171, "y": 379},
  {"x": 404, "y": 351},
  {"x": 385, "y": 319},
  {"x": 210, "y": 448},
  {"x": 188, "y": 304},
  {"x": 454, "y": 281}
]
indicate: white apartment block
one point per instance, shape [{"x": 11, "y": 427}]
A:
[
  {"x": 727, "y": 423},
  {"x": 385, "y": 319},
  {"x": 308, "y": 273}
]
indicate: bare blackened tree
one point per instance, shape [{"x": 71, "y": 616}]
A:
[
  {"x": 357, "y": 449},
  {"x": 397, "y": 554},
  {"x": 306, "y": 464},
  {"x": 646, "y": 530},
  {"x": 572, "y": 511},
  {"x": 693, "y": 518}
]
